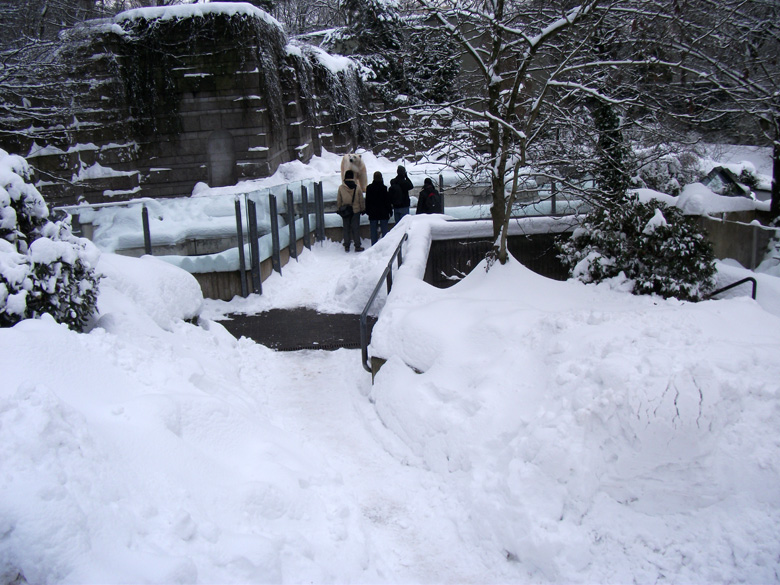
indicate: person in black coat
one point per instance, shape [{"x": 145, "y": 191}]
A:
[
  {"x": 400, "y": 185},
  {"x": 378, "y": 207},
  {"x": 430, "y": 200}
]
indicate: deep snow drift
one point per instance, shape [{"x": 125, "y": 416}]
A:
[
  {"x": 555, "y": 432},
  {"x": 558, "y": 432}
]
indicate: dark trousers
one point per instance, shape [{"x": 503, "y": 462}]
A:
[
  {"x": 376, "y": 225},
  {"x": 399, "y": 212},
  {"x": 351, "y": 230}
]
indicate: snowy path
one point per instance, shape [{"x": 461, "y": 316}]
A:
[
  {"x": 410, "y": 522},
  {"x": 407, "y": 518}
]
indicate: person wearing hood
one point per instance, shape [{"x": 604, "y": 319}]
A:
[
  {"x": 378, "y": 207},
  {"x": 350, "y": 194},
  {"x": 400, "y": 185},
  {"x": 430, "y": 200}
]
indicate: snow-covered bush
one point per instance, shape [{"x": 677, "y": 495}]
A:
[
  {"x": 749, "y": 177},
  {"x": 44, "y": 268},
  {"x": 653, "y": 245},
  {"x": 668, "y": 173}
]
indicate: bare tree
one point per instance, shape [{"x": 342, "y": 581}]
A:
[
  {"x": 538, "y": 72},
  {"x": 306, "y": 16},
  {"x": 735, "y": 45}
]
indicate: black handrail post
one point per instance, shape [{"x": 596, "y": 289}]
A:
[
  {"x": 276, "y": 254},
  {"x": 364, "y": 340},
  {"x": 254, "y": 247},
  {"x": 241, "y": 259},
  {"x": 319, "y": 204},
  {"x": 305, "y": 213},
  {"x": 386, "y": 276},
  {"x": 147, "y": 231},
  {"x": 735, "y": 284},
  {"x": 293, "y": 245}
]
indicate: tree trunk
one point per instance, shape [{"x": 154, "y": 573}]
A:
[
  {"x": 775, "y": 207},
  {"x": 498, "y": 215}
]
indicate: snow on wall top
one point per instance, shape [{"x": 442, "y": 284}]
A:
[
  {"x": 182, "y": 11},
  {"x": 335, "y": 63}
]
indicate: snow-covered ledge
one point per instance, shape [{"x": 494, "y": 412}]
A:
[{"x": 409, "y": 290}]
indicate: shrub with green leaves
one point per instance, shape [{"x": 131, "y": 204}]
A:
[
  {"x": 44, "y": 268},
  {"x": 667, "y": 173},
  {"x": 655, "y": 246}
]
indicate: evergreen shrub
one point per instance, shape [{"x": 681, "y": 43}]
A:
[
  {"x": 657, "y": 248},
  {"x": 668, "y": 173},
  {"x": 44, "y": 268}
]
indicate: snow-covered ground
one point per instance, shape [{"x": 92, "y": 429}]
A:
[
  {"x": 558, "y": 433},
  {"x": 522, "y": 431}
]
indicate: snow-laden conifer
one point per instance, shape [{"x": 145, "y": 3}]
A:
[
  {"x": 44, "y": 268},
  {"x": 653, "y": 245}
]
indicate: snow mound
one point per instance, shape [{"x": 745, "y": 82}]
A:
[
  {"x": 162, "y": 292},
  {"x": 697, "y": 199},
  {"x": 598, "y": 436}
]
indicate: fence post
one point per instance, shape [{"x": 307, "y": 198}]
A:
[
  {"x": 319, "y": 205},
  {"x": 276, "y": 256},
  {"x": 754, "y": 249},
  {"x": 553, "y": 191},
  {"x": 293, "y": 246},
  {"x": 147, "y": 231},
  {"x": 240, "y": 237},
  {"x": 254, "y": 247},
  {"x": 305, "y": 213}
]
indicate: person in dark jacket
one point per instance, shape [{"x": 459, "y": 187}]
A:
[
  {"x": 430, "y": 200},
  {"x": 378, "y": 207},
  {"x": 400, "y": 185}
]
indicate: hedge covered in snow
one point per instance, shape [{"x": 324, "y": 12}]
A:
[
  {"x": 44, "y": 268},
  {"x": 652, "y": 245}
]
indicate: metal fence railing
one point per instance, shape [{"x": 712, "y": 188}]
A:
[
  {"x": 259, "y": 223},
  {"x": 736, "y": 284},
  {"x": 386, "y": 278}
]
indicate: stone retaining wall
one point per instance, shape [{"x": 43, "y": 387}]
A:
[{"x": 162, "y": 104}]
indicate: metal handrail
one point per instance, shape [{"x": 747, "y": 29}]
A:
[
  {"x": 735, "y": 284},
  {"x": 387, "y": 276}
]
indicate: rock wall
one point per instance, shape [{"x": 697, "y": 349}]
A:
[{"x": 156, "y": 100}]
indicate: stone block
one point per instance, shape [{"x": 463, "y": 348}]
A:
[
  {"x": 111, "y": 183},
  {"x": 254, "y": 155},
  {"x": 210, "y": 122},
  {"x": 225, "y": 83},
  {"x": 190, "y": 122},
  {"x": 191, "y": 144},
  {"x": 50, "y": 163},
  {"x": 249, "y": 80},
  {"x": 246, "y": 142},
  {"x": 256, "y": 119},
  {"x": 251, "y": 170},
  {"x": 231, "y": 120}
]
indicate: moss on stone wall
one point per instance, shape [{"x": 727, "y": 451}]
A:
[
  {"x": 147, "y": 95},
  {"x": 158, "y": 55}
]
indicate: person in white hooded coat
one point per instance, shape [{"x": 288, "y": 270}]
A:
[{"x": 350, "y": 193}]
